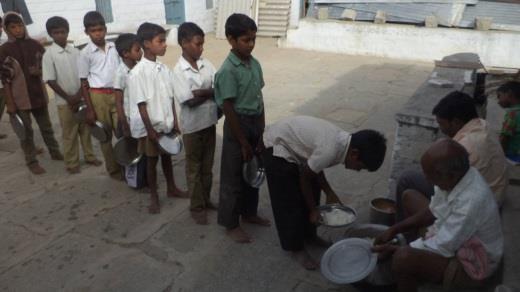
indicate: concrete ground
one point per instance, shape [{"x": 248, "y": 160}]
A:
[{"x": 86, "y": 232}]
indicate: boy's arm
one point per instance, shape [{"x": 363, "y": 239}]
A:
[
  {"x": 151, "y": 133},
  {"x": 91, "y": 114},
  {"x": 9, "y": 101},
  {"x": 121, "y": 116},
  {"x": 234, "y": 124},
  {"x": 70, "y": 99},
  {"x": 199, "y": 97}
]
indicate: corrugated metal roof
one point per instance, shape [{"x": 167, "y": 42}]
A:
[{"x": 503, "y": 14}]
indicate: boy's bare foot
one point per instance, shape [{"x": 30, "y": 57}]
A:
[
  {"x": 305, "y": 259},
  {"x": 200, "y": 216},
  {"x": 177, "y": 193},
  {"x": 154, "y": 207},
  {"x": 3, "y": 136},
  {"x": 239, "y": 235},
  {"x": 73, "y": 170},
  {"x": 117, "y": 176},
  {"x": 39, "y": 150},
  {"x": 35, "y": 168},
  {"x": 256, "y": 220},
  {"x": 94, "y": 162}
]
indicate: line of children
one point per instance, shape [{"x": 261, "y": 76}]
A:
[{"x": 60, "y": 71}]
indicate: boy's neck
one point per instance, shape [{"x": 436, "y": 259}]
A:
[
  {"x": 190, "y": 60},
  {"x": 101, "y": 45},
  {"x": 129, "y": 63},
  {"x": 61, "y": 45},
  {"x": 241, "y": 57},
  {"x": 150, "y": 56}
]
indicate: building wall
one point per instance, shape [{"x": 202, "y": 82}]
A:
[
  {"x": 128, "y": 14},
  {"x": 495, "y": 48}
]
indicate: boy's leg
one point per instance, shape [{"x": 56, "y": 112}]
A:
[
  {"x": 28, "y": 147},
  {"x": 86, "y": 144},
  {"x": 194, "y": 148},
  {"x": 208, "y": 156},
  {"x": 151, "y": 173},
  {"x": 69, "y": 128},
  {"x": 41, "y": 115},
  {"x": 2, "y": 107},
  {"x": 102, "y": 107},
  {"x": 172, "y": 190},
  {"x": 231, "y": 187}
]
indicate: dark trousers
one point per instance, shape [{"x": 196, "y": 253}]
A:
[
  {"x": 41, "y": 116},
  {"x": 291, "y": 215},
  {"x": 236, "y": 196},
  {"x": 411, "y": 180}
]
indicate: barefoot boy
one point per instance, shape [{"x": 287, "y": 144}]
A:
[
  {"x": 151, "y": 89},
  {"x": 509, "y": 99},
  {"x": 60, "y": 71},
  {"x": 193, "y": 84},
  {"x": 25, "y": 93},
  {"x": 97, "y": 65},
  {"x": 238, "y": 91}
]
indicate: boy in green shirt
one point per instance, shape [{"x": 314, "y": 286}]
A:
[
  {"x": 509, "y": 98},
  {"x": 238, "y": 91}
]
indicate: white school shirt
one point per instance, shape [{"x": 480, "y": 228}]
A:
[
  {"x": 98, "y": 66},
  {"x": 303, "y": 139},
  {"x": 120, "y": 82},
  {"x": 185, "y": 80},
  {"x": 60, "y": 64},
  {"x": 469, "y": 210},
  {"x": 151, "y": 82}
]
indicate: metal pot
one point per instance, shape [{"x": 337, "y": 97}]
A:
[
  {"x": 18, "y": 126},
  {"x": 170, "y": 144},
  {"x": 100, "y": 132},
  {"x": 81, "y": 114},
  {"x": 382, "y": 211},
  {"x": 254, "y": 172},
  {"x": 125, "y": 151},
  {"x": 324, "y": 209}
]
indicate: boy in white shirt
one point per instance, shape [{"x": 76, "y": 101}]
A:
[
  {"x": 193, "y": 88},
  {"x": 129, "y": 49},
  {"x": 60, "y": 71},
  {"x": 151, "y": 88},
  {"x": 97, "y": 65}
]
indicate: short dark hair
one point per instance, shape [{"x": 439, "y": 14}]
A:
[
  {"x": 510, "y": 87},
  {"x": 93, "y": 18},
  {"x": 187, "y": 31},
  {"x": 456, "y": 105},
  {"x": 371, "y": 146},
  {"x": 238, "y": 25},
  {"x": 124, "y": 43},
  {"x": 56, "y": 22},
  {"x": 12, "y": 18},
  {"x": 147, "y": 31}
]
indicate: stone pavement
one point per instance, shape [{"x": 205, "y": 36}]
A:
[{"x": 86, "y": 232}]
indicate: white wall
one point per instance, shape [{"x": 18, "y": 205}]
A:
[
  {"x": 404, "y": 41},
  {"x": 128, "y": 14}
]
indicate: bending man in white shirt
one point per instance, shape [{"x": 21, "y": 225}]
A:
[{"x": 463, "y": 244}]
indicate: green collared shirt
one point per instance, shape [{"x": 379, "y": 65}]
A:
[{"x": 242, "y": 82}]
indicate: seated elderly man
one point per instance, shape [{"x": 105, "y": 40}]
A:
[
  {"x": 458, "y": 119},
  {"x": 463, "y": 244}
]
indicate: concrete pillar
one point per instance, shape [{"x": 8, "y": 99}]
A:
[{"x": 294, "y": 18}]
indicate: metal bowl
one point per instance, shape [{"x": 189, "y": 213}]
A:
[
  {"x": 333, "y": 208},
  {"x": 125, "y": 151},
  {"x": 100, "y": 132},
  {"x": 81, "y": 114},
  {"x": 18, "y": 126},
  {"x": 253, "y": 172},
  {"x": 171, "y": 144}
]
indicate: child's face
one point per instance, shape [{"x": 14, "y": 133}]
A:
[
  {"x": 17, "y": 30},
  {"x": 504, "y": 99},
  {"x": 157, "y": 46},
  {"x": 244, "y": 44},
  {"x": 135, "y": 53},
  {"x": 97, "y": 34},
  {"x": 60, "y": 35},
  {"x": 194, "y": 47}
]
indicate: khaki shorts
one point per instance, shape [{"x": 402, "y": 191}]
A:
[
  {"x": 456, "y": 277},
  {"x": 148, "y": 147}
]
